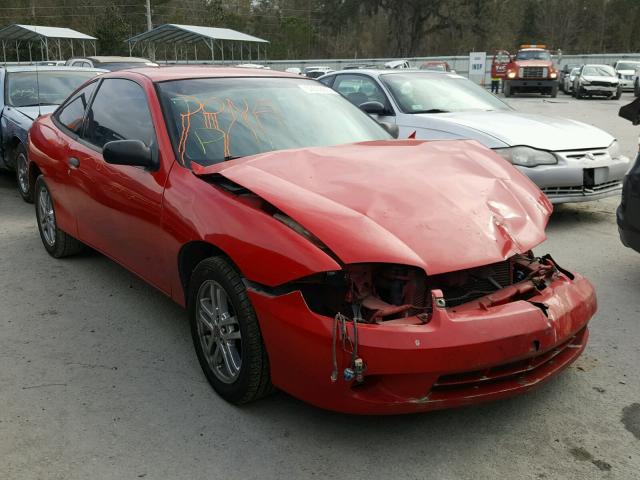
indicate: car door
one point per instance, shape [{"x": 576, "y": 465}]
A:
[
  {"x": 360, "y": 88},
  {"x": 120, "y": 212},
  {"x": 69, "y": 119}
]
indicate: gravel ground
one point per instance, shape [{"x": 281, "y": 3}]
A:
[{"x": 98, "y": 378}]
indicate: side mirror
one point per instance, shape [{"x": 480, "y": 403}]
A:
[
  {"x": 373, "y": 108},
  {"x": 391, "y": 128},
  {"x": 128, "y": 152}
]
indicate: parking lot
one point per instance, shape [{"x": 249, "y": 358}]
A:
[{"x": 99, "y": 379}]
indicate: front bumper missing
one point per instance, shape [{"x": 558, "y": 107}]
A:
[{"x": 464, "y": 355}]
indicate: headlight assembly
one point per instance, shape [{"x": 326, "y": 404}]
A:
[
  {"x": 527, "y": 156},
  {"x": 614, "y": 149}
]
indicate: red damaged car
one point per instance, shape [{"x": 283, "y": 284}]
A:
[{"x": 381, "y": 276}]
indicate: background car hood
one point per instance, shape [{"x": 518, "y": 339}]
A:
[
  {"x": 626, "y": 72},
  {"x": 33, "y": 112},
  {"x": 441, "y": 205},
  {"x": 515, "y": 128}
]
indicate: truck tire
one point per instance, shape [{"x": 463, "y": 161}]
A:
[
  {"x": 554, "y": 91},
  {"x": 507, "y": 89}
]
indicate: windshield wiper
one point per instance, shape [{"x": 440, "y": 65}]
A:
[
  {"x": 36, "y": 105},
  {"x": 231, "y": 157},
  {"x": 431, "y": 110}
]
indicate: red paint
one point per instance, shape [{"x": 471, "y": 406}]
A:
[{"x": 439, "y": 206}]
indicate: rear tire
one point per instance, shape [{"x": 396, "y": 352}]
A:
[
  {"x": 226, "y": 334},
  {"x": 56, "y": 242},
  {"x": 21, "y": 165}
]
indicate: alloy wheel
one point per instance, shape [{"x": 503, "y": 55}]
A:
[
  {"x": 23, "y": 172},
  {"x": 46, "y": 217},
  {"x": 219, "y": 331}
]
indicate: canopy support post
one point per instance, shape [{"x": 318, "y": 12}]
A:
[
  {"x": 71, "y": 43},
  {"x": 18, "y": 50},
  {"x": 46, "y": 46},
  {"x": 59, "y": 49},
  {"x": 84, "y": 53},
  {"x": 4, "y": 52},
  {"x": 30, "y": 59}
]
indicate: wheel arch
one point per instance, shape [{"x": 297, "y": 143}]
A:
[{"x": 191, "y": 254}]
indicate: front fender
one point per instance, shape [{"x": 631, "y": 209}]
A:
[
  {"x": 264, "y": 249},
  {"x": 14, "y": 126}
]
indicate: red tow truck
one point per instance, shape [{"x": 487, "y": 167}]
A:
[{"x": 531, "y": 70}]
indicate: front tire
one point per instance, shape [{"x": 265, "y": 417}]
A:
[
  {"x": 618, "y": 94},
  {"x": 21, "y": 164},
  {"x": 56, "y": 242},
  {"x": 226, "y": 334},
  {"x": 554, "y": 91}
]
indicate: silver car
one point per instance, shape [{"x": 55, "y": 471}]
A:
[
  {"x": 569, "y": 79},
  {"x": 597, "y": 80},
  {"x": 570, "y": 161},
  {"x": 626, "y": 72}
]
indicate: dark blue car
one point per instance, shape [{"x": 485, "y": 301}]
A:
[{"x": 26, "y": 92}]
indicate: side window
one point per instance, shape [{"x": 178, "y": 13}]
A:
[
  {"x": 119, "y": 112},
  {"x": 328, "y": 81},
  {"x": 359, "y": 89},
  {"x": 71, "y": 113}
]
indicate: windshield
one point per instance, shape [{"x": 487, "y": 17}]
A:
[
  {"x": 533, "y": 55},
  {"x": 598, "y": 71},
  {"x": 433, "y": 66},
  {"x": 27, "y": 89},
  {"x": 215, "y": 119},
  {"x": 432, "y": 93},
  {"x": 627, "y": 65}
]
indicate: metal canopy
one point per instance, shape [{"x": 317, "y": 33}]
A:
[
  {"x": 50, "y": 40},
  {"x": 181, "y": 36},
  {"x": 34, "y": 33},
  {"x": 172, "y": 32}
]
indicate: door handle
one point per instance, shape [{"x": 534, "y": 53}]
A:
[{"x": 74, "y": 162}]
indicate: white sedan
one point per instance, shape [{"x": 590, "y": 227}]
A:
[{"x": 570, "y": 161}]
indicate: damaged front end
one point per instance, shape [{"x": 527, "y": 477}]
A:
[
  {"x": 392, "y": 339},
  {"x": 399, "y": 293}
]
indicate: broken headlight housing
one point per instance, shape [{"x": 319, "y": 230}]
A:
[
  {"x": 527, "y": 156},
  {"x": 614, "y": 149}
]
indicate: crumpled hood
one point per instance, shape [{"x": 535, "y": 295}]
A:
[
  {"x": 33, "y": 112},
  {"x": 537, "y": 131},
  {"x": 600, "y": 78},
  {"x": 441, "y": 205}
]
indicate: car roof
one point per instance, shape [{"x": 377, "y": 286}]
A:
[
  {"x": 391, "y": 71},
  {"x": 113, "y": 59},
  {"x": 185, "y": 72},
  {"x": 49, "y": 68}
]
